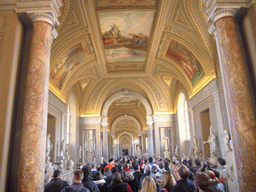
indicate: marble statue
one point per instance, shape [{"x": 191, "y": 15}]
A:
[
  {"x": 49, "y": 145},
  {"x": 176, "y": 150},
  {"x": 212, "y": 142},
  {"x": 166, "y": 139},
  {"x": 227, "y": 141},
  {"x": 62, "y": 148},
  {"x": 80, "y": 153}
]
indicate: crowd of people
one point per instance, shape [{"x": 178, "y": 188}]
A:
[{"x": 131, "y": 174}]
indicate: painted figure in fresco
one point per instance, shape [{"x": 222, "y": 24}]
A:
[
  {"x": 114, "y": 31},
  {"x": 140, "y": 39}
]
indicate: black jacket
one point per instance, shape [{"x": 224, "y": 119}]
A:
[
  {"x": 185, "y": 185},
  {"x": 89, "y": 184},
  {"x": 120, "y": 187},
  {"x": 55, "y": 185}
]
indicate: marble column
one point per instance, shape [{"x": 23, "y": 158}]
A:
[
  {"x": 237, "y": 94},
  {"x": 157, "y": 140},
  {"x": 150, "y": 136},
  {"x": 34, "y": 128},
  {"x": 105, "y": 138}
]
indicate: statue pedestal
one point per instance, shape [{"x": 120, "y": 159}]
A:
[
  {"x": 166, "y": 154},
  {"x": 146, "y": 155},
  {"x": 231, "y": 172}
]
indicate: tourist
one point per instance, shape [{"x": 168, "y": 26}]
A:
[
  {"x": 56, "y": 184},
  {"x": 77, "y": 183}
]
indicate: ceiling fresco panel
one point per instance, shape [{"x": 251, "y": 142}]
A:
[
  {"x": 80, "y": 53},
  {"x": 126, "y": 35},
  {"x": 184, "y": 58}
]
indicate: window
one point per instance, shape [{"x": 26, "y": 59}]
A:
[
  {"x": 68, "y": 125},
  {"x": 183, "y": 120}
]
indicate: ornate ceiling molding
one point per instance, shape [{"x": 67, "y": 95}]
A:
[
  {"x": 50, "y": 7},
  {"x": 119, "y": 95},
  {"x": 216, "y": 9},
  {"x": 125, "y": 117}
]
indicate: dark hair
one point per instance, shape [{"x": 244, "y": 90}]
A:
[
  {"x": 113, "y": 170},
  {"x": 202, "y": 180},
  {"x": 221, "y": 161},
  {"x": 150, "y": 159},
  {"x": 198, "y": 162},
  {"x": 78, "y": 174},
  {"x": 87, "y": 170},
  {"x": 183, "y": 171},
  {"x": 56, "y": 173},
  {"x": 135, "y": 166},
  {"x": 98, "y": 176},
  {"x": 117, "y": 178},
  {"x": 110, "y": 160},
  {"x": 93, "y": 165},
  {"x": 161, "y": 165}
]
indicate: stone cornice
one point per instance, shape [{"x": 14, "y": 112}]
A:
[
  {"x": 163, "y": 118},
  {"x": 216, "y": 9},
  {"x": 209, "y": 90},
  {"x": 49, "y": 7},
  {"x": 90, "y": 120}
]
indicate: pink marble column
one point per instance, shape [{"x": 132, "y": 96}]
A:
[
  {"x": 240, "y": 110},
  {"x": 34, "y": 128}
]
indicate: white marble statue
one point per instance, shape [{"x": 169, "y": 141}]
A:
[
  {"x": 227, "y": 141},
  {"x": 80, "y": 153},
  {"x": 176, "y": 152},
  {"x": 49, "y": 145},
  {"x": 166, "y": 139},
  {"x": 212, "y": 142},
  {"x": 62, "y": 148}
]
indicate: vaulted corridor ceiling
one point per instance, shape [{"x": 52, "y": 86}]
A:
[{"x": 151, "y": 47}]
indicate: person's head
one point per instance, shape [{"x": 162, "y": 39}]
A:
[
  {"x": 203, "y": 180},
  {"x": 78, "y": 175},
  {"x": 56, "y": 173},
  {"x": 154, "y": 169},
  {"x": 117, "y": 178},
  {"x": 87, "y": 170},
  {"x": 107, "y": 169},
  {"x": 111, "y": 161},
  {"x": 161, "y": 165},
  {"x": 125, "y": 166},
  {"x": 150, "y": 159},
  {"x": 221, "y": 161},
  {"x": 98, "y": 176},
  {"x": 113, "y": 170},
  {"x": 148, "y": 185},
  {"x": 197, "y": 162},
  {"x": 120, "y": 167},
  {"x": 167, "y": 180},
  {"x": 93, "y": 165},
  {"x": 183, "y": 172},
  {"x": 128, "y": 176},
  {"x": 147, "y": 168},
  {"x": 135, "y": 167}
]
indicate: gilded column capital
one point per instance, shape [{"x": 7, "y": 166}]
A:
[
  {"x": 223, "y": 12},
  {"x": 42, "y": 17}
]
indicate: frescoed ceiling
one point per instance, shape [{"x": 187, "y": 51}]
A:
[{"x": 150, "y": 47}]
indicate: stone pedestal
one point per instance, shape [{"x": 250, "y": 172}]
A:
[{"x": 166, "y": 154}]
